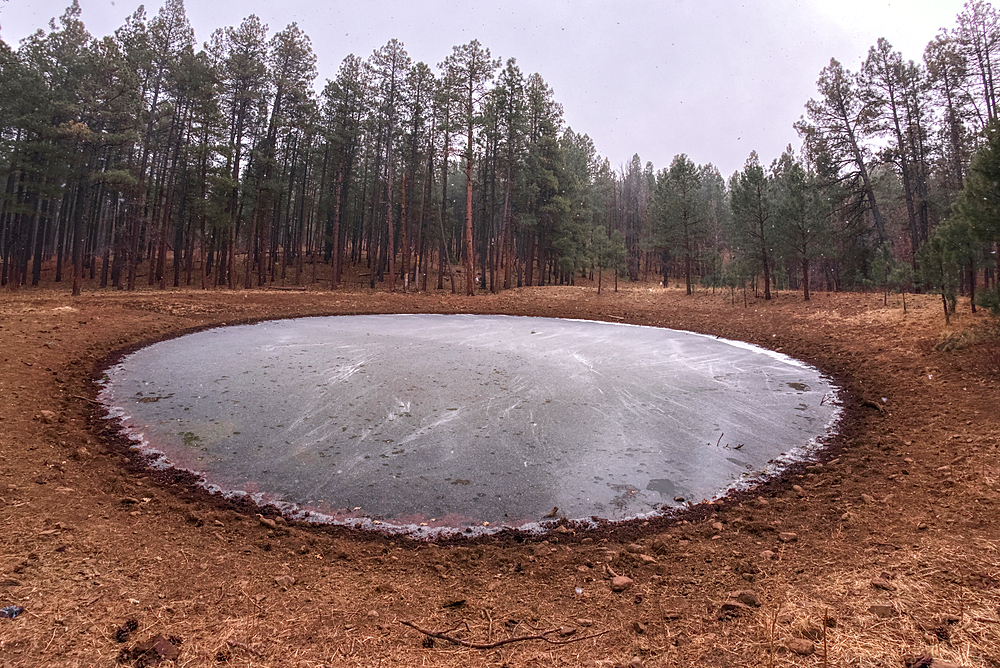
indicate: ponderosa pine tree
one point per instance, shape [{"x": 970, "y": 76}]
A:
[
  {"x": 680, "y": 213},
  {"x": 833, "y": 138},
  {"x": 471, "y": 69}
]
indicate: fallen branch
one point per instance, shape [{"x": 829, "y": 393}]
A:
[{"x": 543, "y": 636}]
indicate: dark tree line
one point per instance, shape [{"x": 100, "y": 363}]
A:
[{"x": 144, "y": 158}]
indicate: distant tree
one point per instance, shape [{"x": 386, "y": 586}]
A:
[
  {"x": 978, "y": 208},
  {"x": 753, "y": 223},
  {"x": 471, "y": 68},
  {"x": 680, "y": 212},
  {"x": 802, "y": 215}
]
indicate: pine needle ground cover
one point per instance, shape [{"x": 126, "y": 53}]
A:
[{"x": 884, "y": 550}]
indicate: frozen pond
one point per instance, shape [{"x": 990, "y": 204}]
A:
[{"x": 426, "y": 421}]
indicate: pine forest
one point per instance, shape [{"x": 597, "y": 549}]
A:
[{"x": 144, "y": 158}]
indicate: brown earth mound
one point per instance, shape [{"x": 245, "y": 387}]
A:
[{"x": 887, "y": 553}]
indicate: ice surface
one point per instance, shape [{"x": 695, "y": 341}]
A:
[{"x": 459, "y": 420}]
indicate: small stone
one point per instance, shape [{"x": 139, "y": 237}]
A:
[
  {"x": 373, "y": 613},
  {"x": 883, "y": 611},
  {"x": 638, "y": 627},
  {"x": 867, "y": 498},
  {"x": 717, "y": 526},
  {"x": 733, "y": 608},
  {"x": 621, "y": 583},
  {"x": 48, "y": 417},
  {"x": 562, "y": 529},
  {"x": 768, "y": 554},
  {"x": 636, "y": 662},
  {"x": 585, "y": 623},
  {"x": 747, "y": 597},
  {"x": 787, "y": 537},
  {"x": 266, "y": 522},
  {"x": 798, "y": 489},
  {"x": 883, "y": 584},
  {"x": 285, "y": 581},
  {"x": 646, "y": 559},
  {"x": 801, "y": 646},
  {"x": 634, "y": 548}
]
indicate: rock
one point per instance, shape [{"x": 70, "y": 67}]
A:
[
  {"x": 801, "y": 646},
  {"x": 266, "y": 522},
  {"x": 152, "y": 652},
  {"x": 883, "y": 584},
  {"x": 768, "y": 554},
  {"x": 636, "y": 662},
  {"x": 634, "y": 548},
  {"x": 927, "y": 661},
  {"x": 867, "y": 498},
  {"x": 733, "y": 608},
  {"x": 562, "y": 529},
  {"x": 798, "y": 489},
  {"x": 47, "y": 417},
  {"x": 285, "y": 581},
  {"x": 747, "y": 597},
  {"x": 787, "y": 537},
  {"x": 585, "y": 623},
  {"x": 883, "y": 611},
  {"x": 621, "y": 583},
  {"x": 646, "y": 559},
  {"x": 718, "y": 526},
  {"x": 638, "y": 627}
]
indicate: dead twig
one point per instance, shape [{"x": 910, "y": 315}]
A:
[{"x": 543, "y": 636}]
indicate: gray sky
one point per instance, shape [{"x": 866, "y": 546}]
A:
[{"x": 709, "y": 78}]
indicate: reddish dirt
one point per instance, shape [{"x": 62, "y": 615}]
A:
[{"x": 114, "y": 563}]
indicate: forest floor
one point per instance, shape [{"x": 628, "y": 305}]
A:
[{"x": 885, "y": 552}]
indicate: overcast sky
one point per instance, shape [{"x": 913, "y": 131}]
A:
[{"x": 710, "y": 78}]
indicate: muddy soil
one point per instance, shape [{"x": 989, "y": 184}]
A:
[{"x": 892, "y": 537}]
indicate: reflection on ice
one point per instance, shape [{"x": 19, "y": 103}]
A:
[{"x": 433, "y": 421}]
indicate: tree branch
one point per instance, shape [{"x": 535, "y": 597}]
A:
[{"x": 543, "y": 636}]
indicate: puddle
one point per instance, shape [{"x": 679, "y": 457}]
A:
[{"x": 432, "y": 422}]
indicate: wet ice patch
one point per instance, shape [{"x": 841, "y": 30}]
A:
[{"x": 432, "y": 420}]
